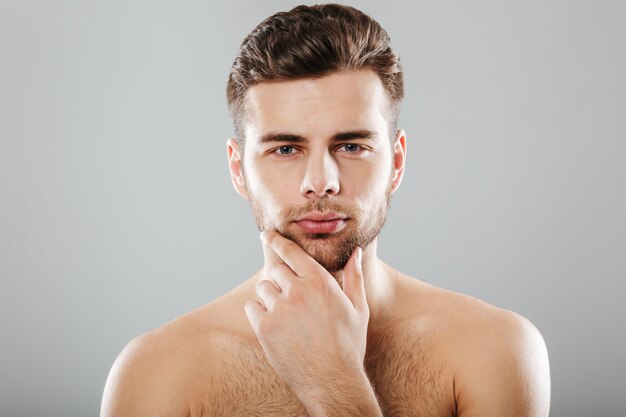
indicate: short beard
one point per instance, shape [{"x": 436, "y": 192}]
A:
[{"x": 331, "y": 250}]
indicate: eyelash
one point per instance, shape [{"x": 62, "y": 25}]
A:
[{"x": 360, "y": 149}]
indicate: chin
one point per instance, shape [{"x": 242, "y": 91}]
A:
[{"x": 330, "y": 250}]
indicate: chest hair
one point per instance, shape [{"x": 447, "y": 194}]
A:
[{"x": 406, "y": 380}]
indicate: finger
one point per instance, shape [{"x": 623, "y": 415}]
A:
[
  {"x": 276, "y": 270},
  {"x": 285, "y": 278},
  {"x": 353, "y": 280},
  {"x": 269, "y": 256},
  {"x": 296, "y": 258},
  {"x": 254, "y": 312},
  {"x": 268, "y": 293}
]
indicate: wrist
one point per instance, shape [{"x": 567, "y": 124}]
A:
[{"x": 345, "y": 396}]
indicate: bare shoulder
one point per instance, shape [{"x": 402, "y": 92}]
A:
[
  {"x": 499, "y": 358},
  {"x": 164, "y": 371}
]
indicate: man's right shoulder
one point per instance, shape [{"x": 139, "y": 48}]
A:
[{"x": 160, "y": 373}]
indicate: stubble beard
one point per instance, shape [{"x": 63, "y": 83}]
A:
[{"x": 331, "y": 250}]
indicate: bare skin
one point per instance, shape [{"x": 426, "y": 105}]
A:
[
  {"x": 295, "y": 339},
  {"x": 438, "y": 354}
]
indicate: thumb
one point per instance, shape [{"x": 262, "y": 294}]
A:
[{"x": 353, "y": 282}]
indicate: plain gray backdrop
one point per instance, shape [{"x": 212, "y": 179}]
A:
[{"x": 117, "y": 213}]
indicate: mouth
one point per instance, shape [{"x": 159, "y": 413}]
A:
[{"x": 322, "y": 222}]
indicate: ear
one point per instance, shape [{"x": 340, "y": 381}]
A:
[
  {"x": 235, "y": 165},
  {"x": 399, "y": 159}
]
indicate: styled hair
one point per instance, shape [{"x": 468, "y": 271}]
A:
[{"x": 311, "y": 42}]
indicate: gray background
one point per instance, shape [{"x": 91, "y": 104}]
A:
[{"x": 117, "y": 213}]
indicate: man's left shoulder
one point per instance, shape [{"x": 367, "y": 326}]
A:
[
  {"x": 467, "y": 319},
  {"x": 498, "y": 356},
  {"x": 475, "y": 322}
]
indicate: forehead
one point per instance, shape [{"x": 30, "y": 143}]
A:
[{"x": 318, "y": 106}]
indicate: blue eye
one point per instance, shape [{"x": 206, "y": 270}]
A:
[
  {"x": 285, "y": 150},
  {"x": 352, "y": 147}
]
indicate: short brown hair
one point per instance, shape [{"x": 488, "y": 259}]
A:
[{"x": 309, "y": 42}]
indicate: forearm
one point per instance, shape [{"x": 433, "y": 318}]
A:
[{"x": 353, "y": 398}]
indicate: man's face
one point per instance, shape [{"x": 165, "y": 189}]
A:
[{"x": 318, "y": 165}]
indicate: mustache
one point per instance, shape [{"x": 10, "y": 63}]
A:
[{"x": 295, "y": 212}]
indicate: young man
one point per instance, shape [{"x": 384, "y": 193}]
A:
[{"x": 325, "y": 328}]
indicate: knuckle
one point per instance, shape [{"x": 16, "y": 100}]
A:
[
  {"x": 282, "y": 268},
  {"x": 280, "y": 273},
  {"x": 261, "y": 286},
  {"x": 249, "y": 306},
  {"x": 296, "y": 297},
  {"x": 320, "y": 285}
]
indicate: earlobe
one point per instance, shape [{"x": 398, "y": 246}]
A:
[{"x": 235, "y": 165}]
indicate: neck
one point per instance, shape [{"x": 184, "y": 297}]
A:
[{"x": 379, "y": 280}]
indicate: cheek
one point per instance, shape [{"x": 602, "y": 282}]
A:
[
  {"x": 269, "y": 187},
  {"x": 277, "y": 187},
  {"x": 369, "y": 182},
  {"x": 263, "y": 172}
]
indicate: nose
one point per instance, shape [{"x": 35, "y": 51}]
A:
[{"x": 321, "y": 177}]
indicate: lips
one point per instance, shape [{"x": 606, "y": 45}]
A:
[{"x": 322, "y": 222}]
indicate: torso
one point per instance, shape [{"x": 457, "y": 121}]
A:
[
  {"x": 407, "y": 381},
  {"x": 404, "y": 362}
]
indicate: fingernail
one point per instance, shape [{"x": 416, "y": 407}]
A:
[
  {"x": 359, "y": 254},
  {"x": 262, "y": 236}
]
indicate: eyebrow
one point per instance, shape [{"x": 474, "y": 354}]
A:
[{"x": 289, "y": 137}]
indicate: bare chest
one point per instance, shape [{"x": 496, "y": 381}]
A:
[{"x": 407, "y": 382}]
